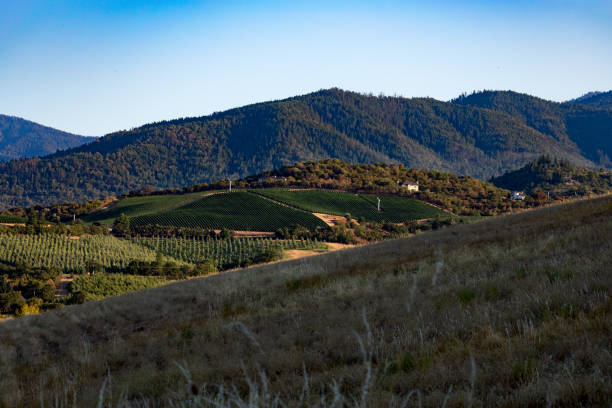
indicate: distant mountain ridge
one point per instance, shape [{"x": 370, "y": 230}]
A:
[
  {"x": 600, "y": 100},
  {"x": 573, "y": 125},
  {"x": 21, "y": 138},
  {"x": 584, "y": 97},
  {"x": 483, "y": 135}
]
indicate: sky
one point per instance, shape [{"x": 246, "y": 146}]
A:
[{"x": 94, "y": 67}]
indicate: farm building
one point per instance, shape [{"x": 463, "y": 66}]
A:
[{"x": 410, "y": 186}]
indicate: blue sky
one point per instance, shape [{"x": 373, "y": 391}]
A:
[{"x": 96, "y": 67}]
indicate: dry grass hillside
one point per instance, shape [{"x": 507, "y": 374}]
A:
[{"x": 513, "y": 311}]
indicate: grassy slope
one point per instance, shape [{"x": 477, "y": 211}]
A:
[
  {"x": 236, "y": 211},
  {"x": 395, "y": 209},
  {"x": 510, "y": 311},
  {"x": 135, "y": 206}
]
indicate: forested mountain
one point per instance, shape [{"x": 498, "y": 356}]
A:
[
  {"x": 601, "y": 100},
  {"x": 22, "y": 138},
  {"x": 420, "y": 133},
  {"x": 573, "y": 125},
  {"x": 556, "y": 177}
]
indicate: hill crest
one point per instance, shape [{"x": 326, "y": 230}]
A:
[{"x": 21, "y": 138}]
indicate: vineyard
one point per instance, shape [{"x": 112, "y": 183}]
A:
[
  {"x": 11, "y": 219},
  {"x": 234, "y": 211},
  {"x": 223, "y": 252},
  {"x": 101, "y": 285},
  {"x": 393, "y": 209},
  {"x": 71, "y": 255},
  {"x": 135, "y": 206}
]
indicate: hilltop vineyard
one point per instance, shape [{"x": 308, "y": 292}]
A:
[
  {"x": 235, "y": 211},
  {"x": 393, "y": 209},
  {"x": 135, "y": 206},
  {"x": 71, "y": 255},
  {"x": 232, "y": 252}
]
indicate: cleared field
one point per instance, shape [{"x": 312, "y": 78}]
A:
[
  {"x": 234, "y": 211},
  {"x": 71, "y": 255},
  {"x": 220, "y": 251},
  {"x": 135, "y": 206},
  {"x": 393, "y": 209},
  {"x": 103, "y": 285}
]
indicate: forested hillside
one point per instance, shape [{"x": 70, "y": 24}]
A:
[
  {"x": 22, "y": 138},
  {"x": 572, "y": 125},
  {"x": 419, "y": 133},
  {"x": 557, "y": 177}
]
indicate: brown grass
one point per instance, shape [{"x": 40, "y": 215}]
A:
[
  {"x": 513, "y": 311},
  {"x": 332, "y": 220}
]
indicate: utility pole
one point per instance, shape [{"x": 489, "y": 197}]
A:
[
  {"x": 378, "y": 204},
  {"x": 230, "y": 186}
]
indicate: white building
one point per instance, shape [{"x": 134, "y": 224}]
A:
[{"x": 410, "y": 186}]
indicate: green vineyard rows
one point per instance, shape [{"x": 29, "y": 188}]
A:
[
  {"x": 394, "y": 209},
  {"x": 135, "y": 206},
  {"x": 11, "y": 219},
  {"x": 222, "y": 252},
  {"x": 234, "y": 211},
  {"x": 71, "y": 255},
  {"x": 101, "y": 285}
]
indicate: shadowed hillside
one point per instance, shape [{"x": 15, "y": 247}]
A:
[
  {"x": 513, "y": 311},
  {"x": 419, "y": 133},
  {"x": 588, "y": 129}
]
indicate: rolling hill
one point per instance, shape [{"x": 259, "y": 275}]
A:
[
  {"x": 465, "y": 137},
  {"x": 21, "y": 138},
  {"x": 556, "y": 177},
  {"x": 511, "y": 311},
  {"x": 601, "y": 100},
  {"x": 234, "y": 211}
]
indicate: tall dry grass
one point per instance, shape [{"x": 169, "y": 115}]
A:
[{"x": 513, "y": 311}]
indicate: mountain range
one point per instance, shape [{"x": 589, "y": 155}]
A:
[
  {"x": 21, "y": 138},
  {"x": 483, "y": 134}
]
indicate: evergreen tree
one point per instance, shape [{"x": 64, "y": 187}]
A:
[{"x": 121, "y": 226}]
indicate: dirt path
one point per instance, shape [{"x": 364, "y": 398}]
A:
[
  {"x": 329, "y": 219},
  {"x": 334, "y": 246},
  {"x": 302, "y": 253},
  {"x": 297, "y": 253},
  {"x": 63, "y": 289}
]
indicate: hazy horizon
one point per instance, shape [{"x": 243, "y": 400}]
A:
[{"x": 93, "y": 69}]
